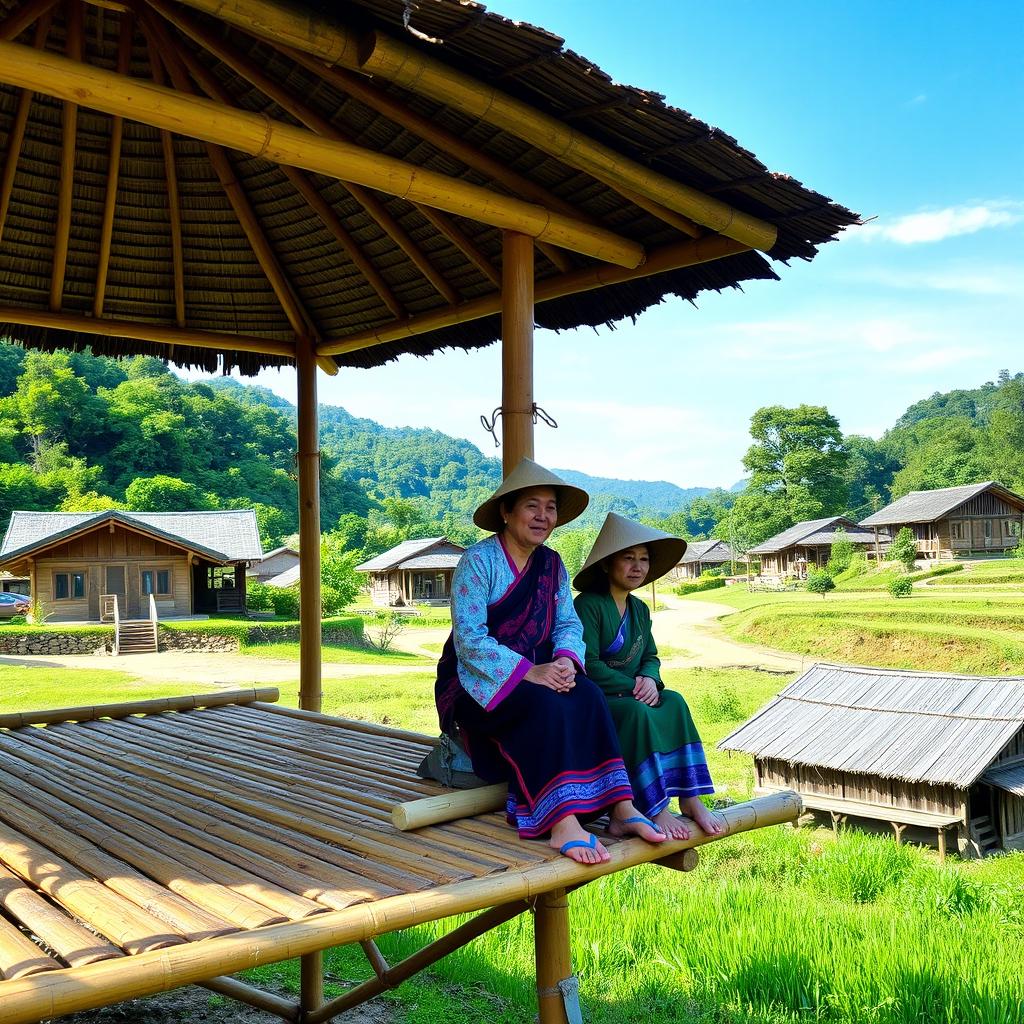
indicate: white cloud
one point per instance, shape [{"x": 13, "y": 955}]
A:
[
  {"x": 937, "y": 225},
  {"x": 1002, "y": 281}
]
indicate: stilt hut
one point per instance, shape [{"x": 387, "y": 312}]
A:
[
  {"x": 235, "y": 184},
  {"x": 923, "y": 751}
]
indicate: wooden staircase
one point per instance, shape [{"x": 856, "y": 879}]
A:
[
  {"x": 136, "y": 636},
  {"x": 984, "y": 834}
]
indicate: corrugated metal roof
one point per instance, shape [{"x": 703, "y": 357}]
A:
[
  {"x": 288, "y": 578},
  {"x": 927, "y": 506},
  {"x": 799, "y": 534},
  {"x": 402, "y": 552},
  {"x": 915, "y": 726},
  {"x": 854, "y": 536},
  {"x": 230, "y": 536},
  {"x": 708, "y": 551},
  {"x": 1010, "y": 778}
]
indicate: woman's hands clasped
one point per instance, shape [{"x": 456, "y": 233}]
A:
[
  {"x": 558, "y": 675},
  {"x": 646, "y": 691}
]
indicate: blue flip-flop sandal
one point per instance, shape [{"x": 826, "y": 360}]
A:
[
  {"x": 644, "y": 820},
  {"x": 573, "y": 844}
]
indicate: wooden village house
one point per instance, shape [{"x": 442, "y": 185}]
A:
[
  {"x": 975, "y": 519},
  {"x": 807, "y": 544},
  {"x": 272, "y": 564},
  {"x": 78, "y": 562},
  {"x": 415, "y": 571},
  {"x": 701, "y": 555},
  {"x": 928, "y": 752}
]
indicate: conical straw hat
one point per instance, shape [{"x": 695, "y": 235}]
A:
[
  {"x": 571, "y": 500},
  {"x": 619, "y": 533}
]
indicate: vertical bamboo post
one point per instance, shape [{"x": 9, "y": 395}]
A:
[
  {"x": 551, "y": 949},
  {"x": 311, "y": 982},
  {"x": 516, "y": 349},
  {"x": 309, "y": 528}
]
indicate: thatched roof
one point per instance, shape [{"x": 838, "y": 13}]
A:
[
  {"x": 426, "y": 553},
  {"x": 224, "y": 536},
  {"x": 927, "y": 506},
  {"x": 914, "y": 726},
  {"x": 344, "y": 260},
  {"x": 812, "y": 533}
]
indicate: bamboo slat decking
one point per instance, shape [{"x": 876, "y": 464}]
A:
[{"x": 150, "y": 845}]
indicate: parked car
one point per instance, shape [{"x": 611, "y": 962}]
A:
[{"x": 13, "y": 604}]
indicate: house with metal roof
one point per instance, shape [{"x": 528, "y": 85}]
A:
[
  {"x": 918, "y": 750},
  {"x": 951, "y": 521},
  {"x": 105, "y": 566},
  {"x": 809, "y": 543},
  {"x": 701, "y": 555},
  {"x": 413, "y": 572},
  {"x": 273, "y": 564}
]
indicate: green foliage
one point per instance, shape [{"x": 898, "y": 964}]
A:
[
  {"x": 573, "y": 544},
  {"x": 842, "y": 553},
  {"x": 901, "y": 586},
  {"x": 285, "y": 601},
  {"x": 164, "y": 494},
  {"x": 721, "y": 705},
  {"x": 820, "y": 582},
  {"x": 699, "y": 585},
  {"x": 857, "y": 567},
  {"x": 337, "y": 571},
  {"x": 903, "y": 548},
  {"x": 258, "y": 596}
]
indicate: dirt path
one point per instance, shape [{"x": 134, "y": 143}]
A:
[{"x": 692, "y": 627}]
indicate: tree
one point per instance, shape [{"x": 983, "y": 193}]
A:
[
  {"x": 820, "y": 582},
  {"x": 165, "y": 494},
  {"x": 574, "y": 546},
  {"x": 870, "y": 469},
  {"x": 901, "y": 586},
  {"x": 842, "y": 553},
  {"x": 903, "y": 548},
  {"x": 338, "y": 572},
  {"x": 799, "y": 452}
]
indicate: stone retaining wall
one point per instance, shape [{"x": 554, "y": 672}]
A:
[
  {"x": 55, "y": 643},
  {"x": 184, "y": 640}
]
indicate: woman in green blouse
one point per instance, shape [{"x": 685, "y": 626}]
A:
[{"x": 660, "y": 744}]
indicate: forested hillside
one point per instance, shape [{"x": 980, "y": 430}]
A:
[{"x": 78, "y": 433}]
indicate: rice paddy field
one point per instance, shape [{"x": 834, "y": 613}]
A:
[{"x": 774, "y": 927}]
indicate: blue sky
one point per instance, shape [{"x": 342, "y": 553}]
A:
[{"x": 910, "y": 113}]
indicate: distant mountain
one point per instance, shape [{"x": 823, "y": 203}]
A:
[{"x": 656, "y": 497}]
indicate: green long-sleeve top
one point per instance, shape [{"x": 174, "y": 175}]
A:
[{"x": 638, "y": 656}]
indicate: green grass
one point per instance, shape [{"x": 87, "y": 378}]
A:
[
  {"x": 997, "y": 573},
  {"x": 336, "y": 654},
  {"x": 37, "y": 688}
]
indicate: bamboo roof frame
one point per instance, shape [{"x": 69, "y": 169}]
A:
[{"x": 437, "y": 191}]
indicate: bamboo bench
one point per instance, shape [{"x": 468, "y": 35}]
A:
[
  {"x": 840, "y": 808},
  {"x": 155, "y": 844}
]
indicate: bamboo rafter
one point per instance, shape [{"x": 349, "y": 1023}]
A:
[
  {"x": 282, "y": 143},
  {"x": 17, "y": 135},
  {"x": 20, "y": 18},
  {"x": 377, "y": 55},
  {"x": 124, "y": 55},
  {"x": 685, "y": 254}
]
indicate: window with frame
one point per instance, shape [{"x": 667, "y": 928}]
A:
[
  {"x": 957, "y": 530},
  {"x": 988, "y": 528},
  {"x": 1011, "y": 528},
  {"x": 156, "y": 582},
  {"x": 68, "y": 586}
]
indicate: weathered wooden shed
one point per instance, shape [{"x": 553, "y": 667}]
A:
[
  {"x": 705, "y": 554},
  {"x": 984, "y": 518},
  {"x": 809, "y": 543},
  {"x": 273, "y": 563},
  {"x": 930, "y": 752},
  {"x": 415, "y": 571},
  {"x": 250, "y": 183}
]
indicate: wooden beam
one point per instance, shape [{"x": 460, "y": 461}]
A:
[
  {"x": 17, "y": 135},
  {"x": 379, "y": 56},
  {"x": 156, "y": 333},
  {"x": 20, "y": 18},
  {"x": 250, "y": 70},
  {"x": 309, "y": 528},
  {"x": 124, "y": 56},
  {"x": 516, "y": 350},
  {"x": 69, "y": 138},
  {"x": 673, "y": 257},
  {"x": 300, "y": 321},
  {"x": 173, "y": 199},
  {"x": 281, "y": 143},
  {"x": 552, "y": 955},
  {"x": 463, "y": 242}
]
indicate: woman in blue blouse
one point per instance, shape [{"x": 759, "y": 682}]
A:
[{"x": 510, "y": 684}]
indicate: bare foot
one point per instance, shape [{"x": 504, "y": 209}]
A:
[
  {"x": 673, "y": 827},
  {"x": 590, "y": 850},
  {"x": 626, "y": 820},
  {"x": 709, "y": 822}
]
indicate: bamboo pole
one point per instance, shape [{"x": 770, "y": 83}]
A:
[
  {"x": 72, "y": 943},
  {"x": 463, "y": 242},
  {"x": 17, "y": 135},
  {"x": 91, "y": 712},
  {"x": 516, "y": 350},
  {"x": 286, "y": 1009},
  {"x": 310, "y": 694},
  {"x": 62, "y": 992},
  {"x": 69, "y": 139},
  {"x": 459, "y": 803},
  {"x": 124, "y": 56},
  {"x": 259, "y": 135},
  {"x": 311, "y": 983},
  {"x": 156, "y": 333},
  {"x": 21, "y": 17},
  {"x": 391, "y": 977},
  {"x": 375, "y": 55},
  {"x": 552, "y": 955},
  {"x": 20, "y": 957},
  {"x": 351, "y": 724},
  {"x": 674, "y": 257}
]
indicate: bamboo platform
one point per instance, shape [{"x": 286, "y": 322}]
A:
[{"x": 152, "y": 845}]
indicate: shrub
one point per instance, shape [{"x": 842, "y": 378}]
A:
[
  {"x": 820, "y": 582},
  {"x": 903, "y": 548},
  {"x": 285, "y": 601},
  {"x": 857, "y": 567},
  {"x": 390, "y": 624},
  {"x": 842, "y": 553},
  {"x": 722, "y": 705},
  {"x": 332, "y": 600},
  {"x": 258, "y": 596},
  {"x": 17, "y": 620},
  {"x": 901, "y": 586},
  {"x": 696, "y": 586}
]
